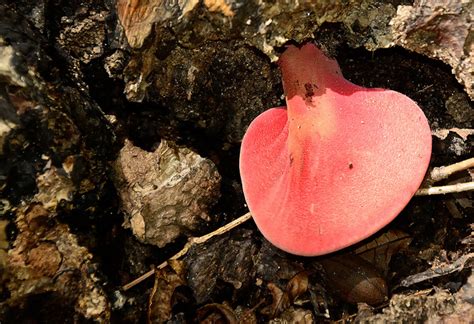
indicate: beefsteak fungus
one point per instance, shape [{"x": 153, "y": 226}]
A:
[{"x": 337, "y": 164}]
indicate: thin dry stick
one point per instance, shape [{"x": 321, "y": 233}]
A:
[
  {"x": 192, "y": 241},
  {"x": 445, "y": 171},
  {"x": 442, "y": 190}
]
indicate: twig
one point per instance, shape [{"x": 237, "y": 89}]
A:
[
  {"x": 443, "y": 172},
  {"x": 459, "y": 187},
  {"x": 425, "y": 88},
  {"x": 191, "y": 241}
]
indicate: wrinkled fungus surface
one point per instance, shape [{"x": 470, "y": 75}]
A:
[{"x": 337, "y": 164}]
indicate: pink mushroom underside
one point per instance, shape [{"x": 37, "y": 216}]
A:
[{"x": 335, "y": 166}]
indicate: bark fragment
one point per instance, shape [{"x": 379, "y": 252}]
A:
[
  {"x": 166, "y": 193},
  {"x": 441, "y": 30}
]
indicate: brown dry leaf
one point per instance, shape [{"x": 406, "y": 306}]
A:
[
  {"x": 216, "y": 313},
  {"x": 3, "y": 244},
  {"x": 161, "y": 297},
  {"x": 177, "y": 266},
  {"x": 247, "y": 315},
  {"x": 219, "y": 6},
  {"x": 380, "y": 250},
  {"x": 296, "y": 316},
  {"x": 3, "y": 235},
  {"x": 227, "y": 258},
  {"x": 297, "y": 286},
  {"x": 463, "y": 262},
  {"x": 280, "y": 301},
  {"x": 138, "y": 16},
  {"x": 354, "y": 279}
]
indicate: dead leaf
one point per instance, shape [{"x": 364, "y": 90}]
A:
[
  {"x": 219, "y": 6},
  {"x": 216, "y": 313},
  {"x": 465, "y": 261},
  {"x": 297, "y": 286},
  {"x": 247, "y": 315},
  {"x": 161, "y": 298},
  {"x": 226, "y": 258},
  {"x": 295, "y": 315},
  {"x": 380, "y": 250},
  {"x": 138, "y": 16},
  {"x": 280, "y": 301},
  {"x": 354, "y": 279},
  {"x": 177, "y": 266},
  {"x": 3, "y": 235}
]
